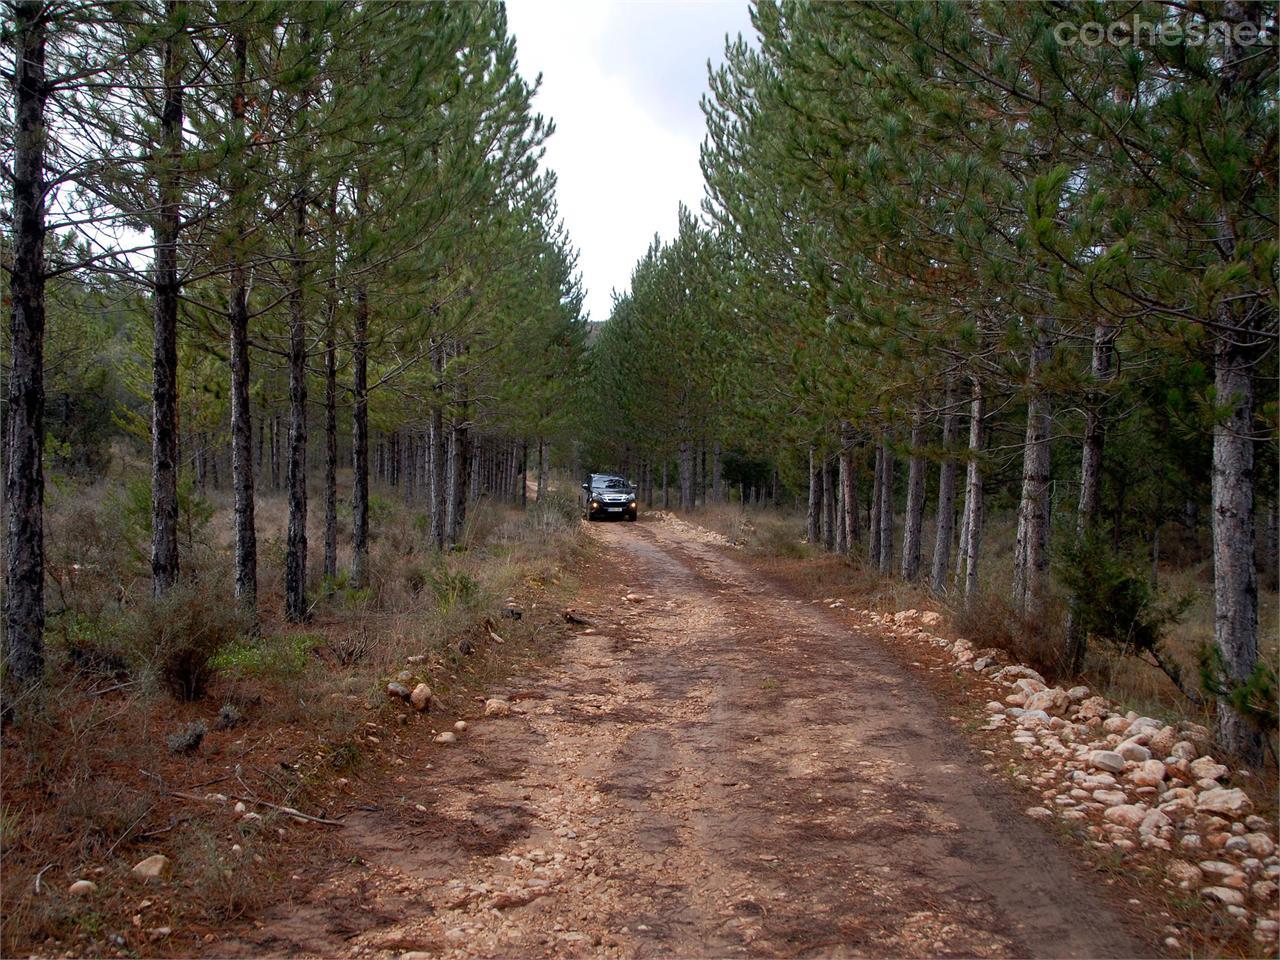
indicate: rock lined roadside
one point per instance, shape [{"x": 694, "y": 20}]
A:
[{"x": 1128, "y": 782}]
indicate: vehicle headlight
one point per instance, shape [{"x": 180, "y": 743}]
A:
[{"x": 595, "y": 504}]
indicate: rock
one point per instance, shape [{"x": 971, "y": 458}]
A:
[
  {"x": 1115, "y": 725},
  {"x": 82, "y": 888},
  {"x": 155, "y": 867},
  {"x": 1183, "y": 750},
  {"x": 1219, "y": 868},
  {"x": 512, "y": 613},
  {"x": 931, "y": 619},
  {"x": 1162, "y": 742},
  {"x": 418, "y": 955},
  {"x": 1153, "y": 823},
  {"x": 460, "y": 726},
  {"x": 1133, "y": 751},
  {"x": 1106, "y": 760},
  {"x": 983, "y": 663},
  {"x": 1112, "y": 798},
  {"x": 1093, "y": 708},
  {"x": 421, "y": 697},
  {"x": 397, "y": 689},
  {"x": 1051, "y": 701},
  {"x": 495, "y": 707},
  {"x": 1232, "y": 898},
  {"x": 1017, "y": 670},
  {"x": 1180, "y": 871},
  {"x": 1150, "y": 773},
  {"x": 1077, "y": 694},
  {"x": 447, "y": 737},
  {"x": 1229, "y": 801},
  {"x": 1206, "y": 768},
  {"x": 1260, "y": 844},
  {"x": 1039, "y": 813},
  {"x": 1264, "y": 890},
  {"x": 1127, "y": 815}
]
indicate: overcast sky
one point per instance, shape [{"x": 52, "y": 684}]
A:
[{"x": 622, "y": 80}]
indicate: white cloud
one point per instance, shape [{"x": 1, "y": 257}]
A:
[{"x": 622, "y": 81}]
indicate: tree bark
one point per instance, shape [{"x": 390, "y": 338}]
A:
[
  {"x": 1235, "y": 579},
  {"x": 886, "y": 507},
  {"x": 164, "y": 356},
  {"x": 246, "y": 537},
  {"x": 849, "y": 492},
  {"x": 911, "y": 536},
  {"x": 828, "y": 507},
  {"x": 360, "y": 438},
  {"x": 814, "y": 516},
  {"x": 295, "y": 560},
  {"x": 24, "y": 431},
  {"x": 1090, "y": 473},
  {"x": 1031, "y": 558},
  {"x": 873, "y": 518},
  {"x": 439, "y": 453},
  {"x": 971, "y": 527},
  {"x": 686, "y": 476},
  {"x": 717, "y": 475},
  {"x": 946, "y": 514}
]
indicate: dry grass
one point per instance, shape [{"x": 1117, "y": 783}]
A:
[{"x": 88, "y": 781}]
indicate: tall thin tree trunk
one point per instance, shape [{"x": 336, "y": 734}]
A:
[
  {"x": 914, "y": 526},
  {"x": 946, "y": 515},
  {"x": 24, "y": 433},
  {"x": 686, "y": 476},
  {"x": 666, "y": 489},
  {"x": 1031, "y": 558},
  {"x": 164, "y": 357},
  {"x": 1235, "y": 578},
  {"x": 813, "y": 524},
  {"x": 1090, "y": 474},
  {"x": 971, "y": 531},
  {"x": 877, "y": 501},
  {"x": 828, "y": 507},
  {"x": 886, "y": 507},
  {"x": 242, "y": 476},
  {"x": 439, "y": 453},
  {"x": 295, "y": 561},
  {"x": 717, "y": 474},
  {"x": 849, "y": 491}
]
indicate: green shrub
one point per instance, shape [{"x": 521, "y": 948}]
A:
[
  {"x": 130, "y": 506},
  {"x": 451, "y": 587},
  {"x": 1114, "y": 602},
  {"x": 179, "y": 634},
  {"x": 274, "y": 658}
]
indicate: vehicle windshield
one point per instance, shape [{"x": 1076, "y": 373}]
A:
[{"x": 611, "y": 483}]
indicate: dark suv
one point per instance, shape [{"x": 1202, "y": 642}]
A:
[{"x": 608, "y": 495}]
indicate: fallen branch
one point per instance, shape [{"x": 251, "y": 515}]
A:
[{"x": 289, "y": 811}]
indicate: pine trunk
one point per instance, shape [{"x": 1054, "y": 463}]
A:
[
  {"x": 164, "y": 357},
  {"x": 1235, "y": 579},
  {"x": 828, "y": 508},
  {"x": 946, "y": 514},
  {"x": 814, "y": 516},
  {"x": 849, "y": 493},
  {"x": 912, "y": 531},
  {"x": 295, "y": 559},
  {"x": 360, "y": 438},
  {"x": 873, "y": 516},
  {"x": 886, "y": 507},
  {"x": 1031, "y": 558},
  {"x": 24, "y": 430},
  {"x": 1090, "y": 474},
  {"x": 686, "y": 476},
  {"x": 971, "y": 527}
]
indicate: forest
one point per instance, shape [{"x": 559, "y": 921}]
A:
[
  {"x": 978, "y": 315},
  {"x": 270, "y": 238},
  {"x": 955, "y": 282}
]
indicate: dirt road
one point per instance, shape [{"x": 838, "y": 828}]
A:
[{"x": 718, "y": 769}]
